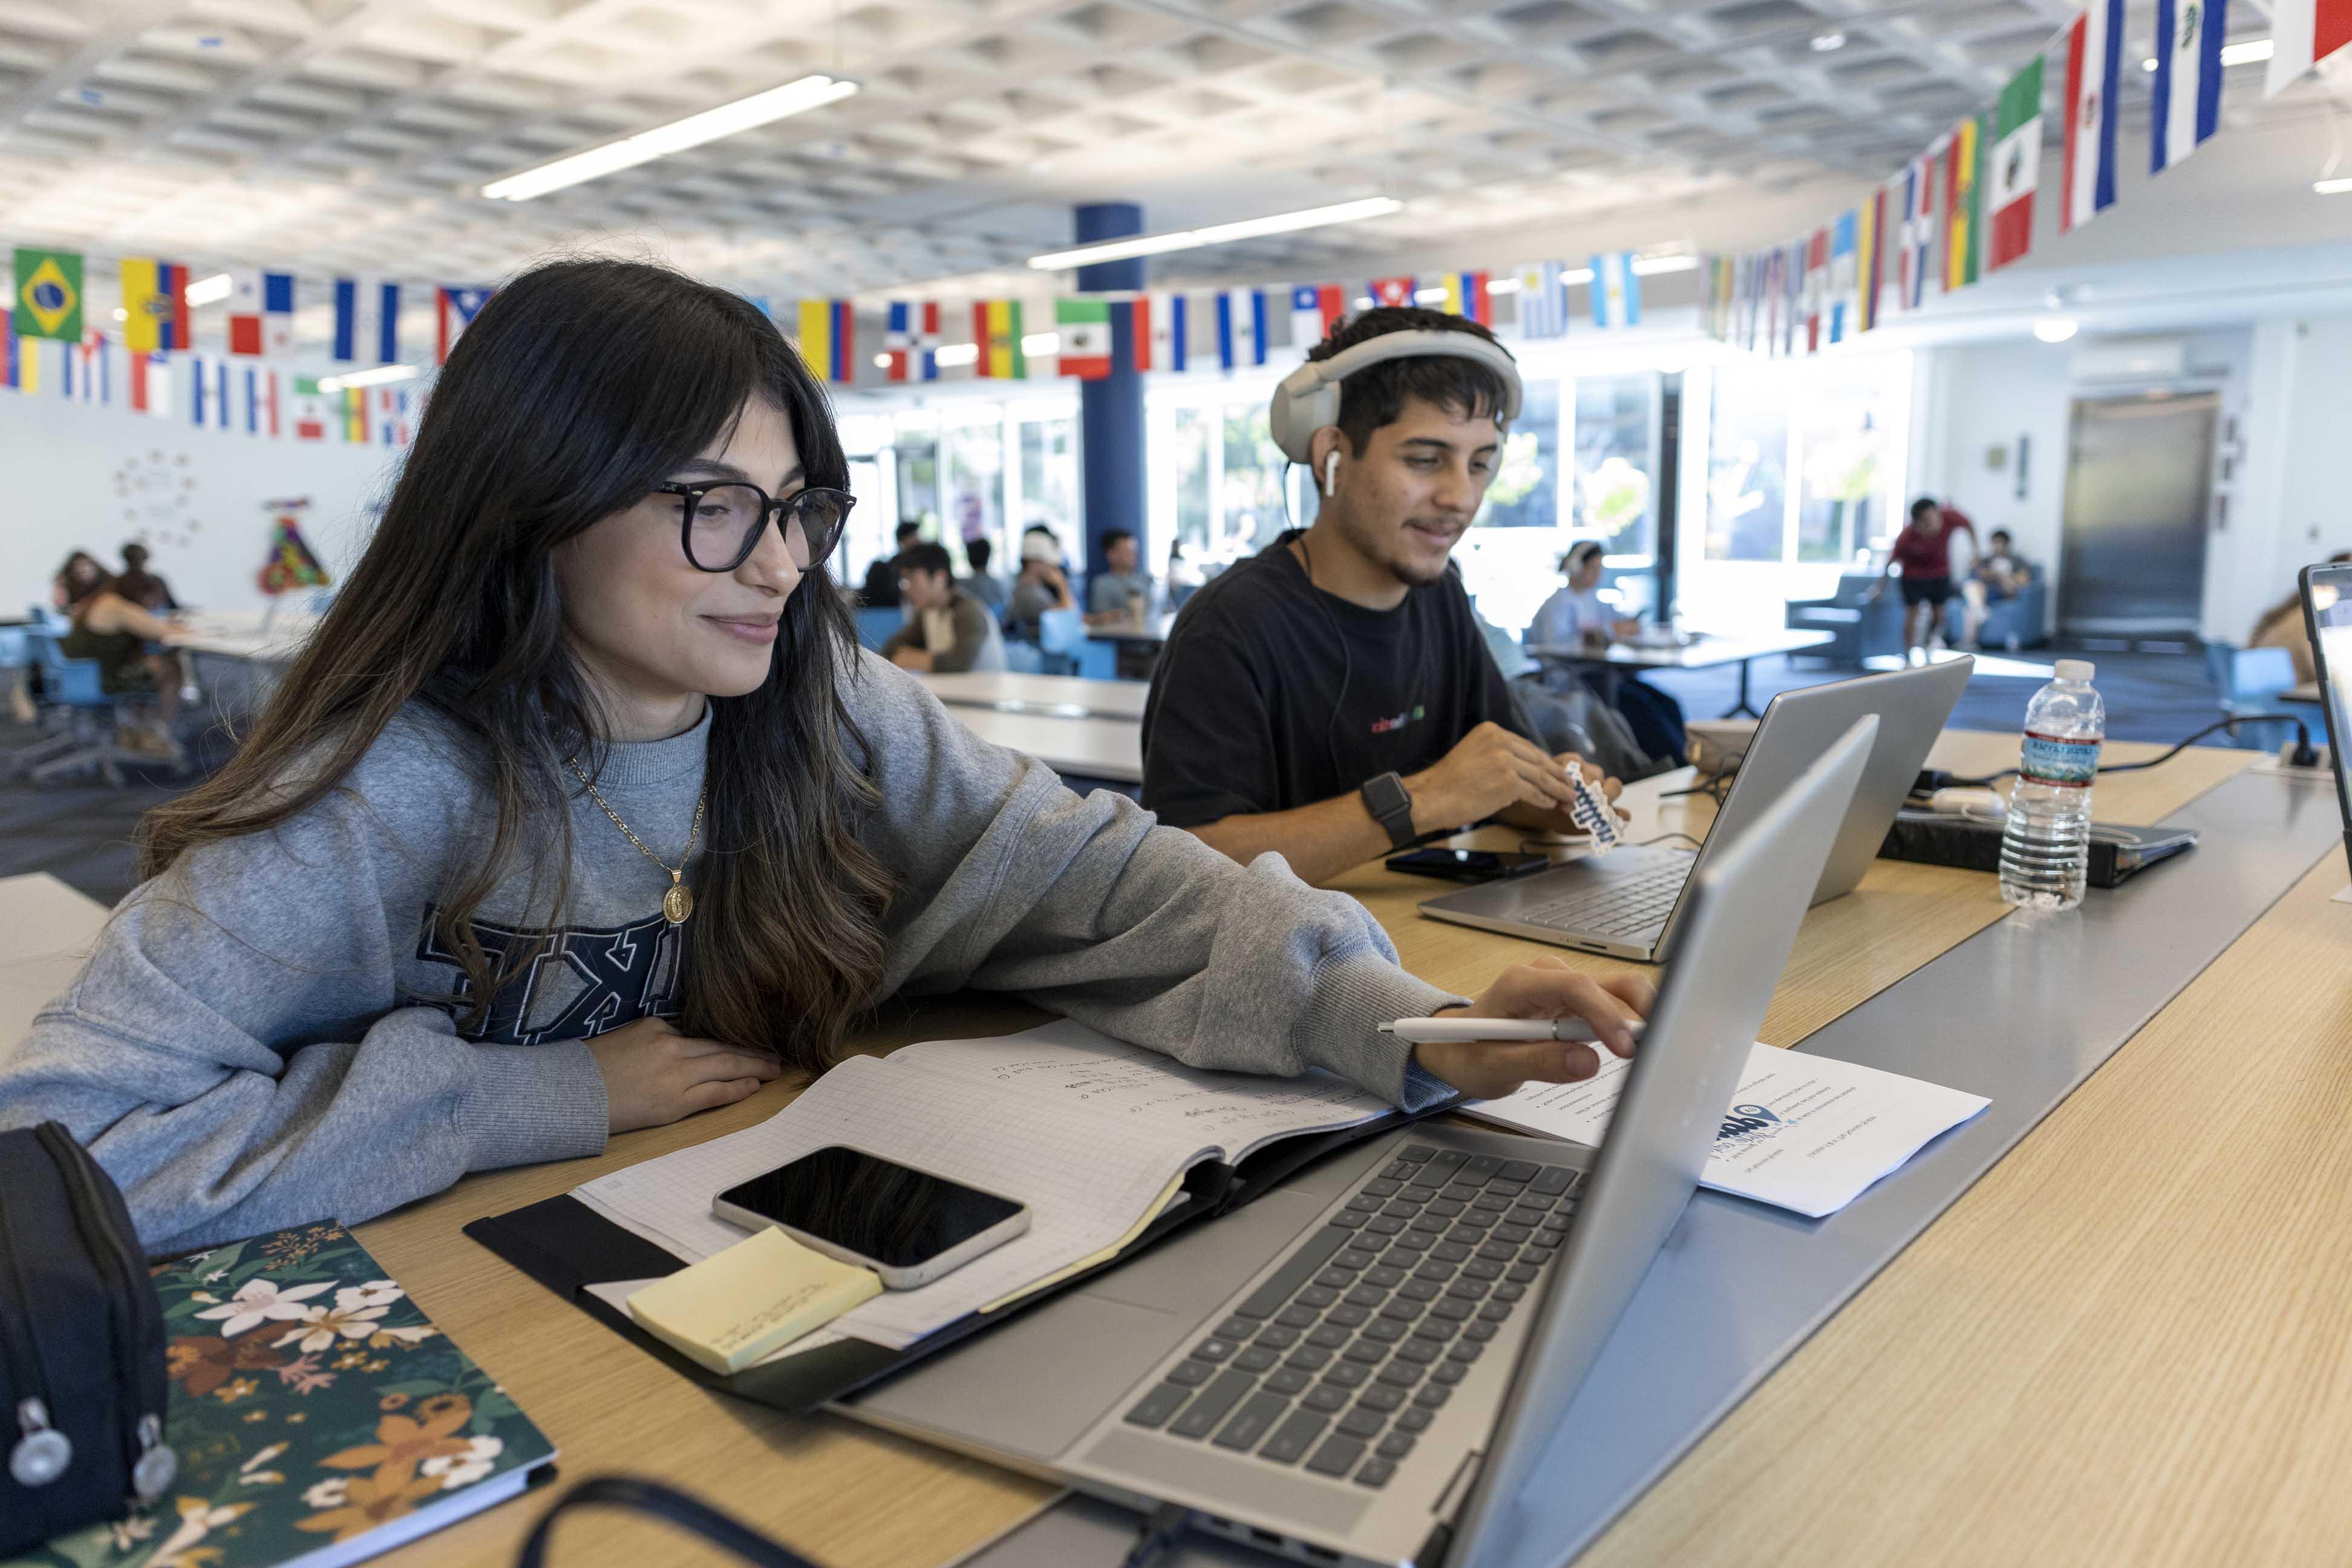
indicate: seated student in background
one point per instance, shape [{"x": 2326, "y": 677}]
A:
[
  {"x": 148, "y": 588},
  {"x": 1576, "y": 613},
  {"x": 632, "y": 826},
  {"x": 881, "y": 590},
  {"x": 1042, "y": 586},
  {"x": 1923, "y": 553},
  {"x": 979, "y": 582},
  {"x": 1330, "y": 697},
  {"x": 1111, "y": 595},
  {"x": 950, "y": 631},
  {"x": 124, "y": 637},
  {"x": 1999, "y": 574},
  {"x": 77, "y": 580}
]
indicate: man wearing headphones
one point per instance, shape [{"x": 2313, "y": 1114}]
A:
[{"x": 1331, "y": 699}]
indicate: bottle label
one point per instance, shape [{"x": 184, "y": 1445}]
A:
[{"x": 2051, "y": 760}]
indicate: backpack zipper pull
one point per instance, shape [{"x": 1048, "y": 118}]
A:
[
  {"x": 158, "y": 1467},
  {"x": 43, "y": 1453}
]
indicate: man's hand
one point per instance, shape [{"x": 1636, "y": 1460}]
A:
[
  {"x": 1556, "y": 819},
  {"x": 913, "y": 658},
  {"x": 1544, "y": 988},
  {"x": 653, "y": 1075},
  {"x": 1488, "y": 769}
]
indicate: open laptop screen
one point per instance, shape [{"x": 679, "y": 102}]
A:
[{"x": 2328, "y": 615}]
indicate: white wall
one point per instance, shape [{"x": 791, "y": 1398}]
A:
[
  {"x": 87, "y": 477},
  {"x": 2291, "y": 506}
]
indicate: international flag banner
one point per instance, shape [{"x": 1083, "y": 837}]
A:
[
  {"x": 2188, "y": 86},
  {"x": 1714, "y": 305},
  {"x": 1918, "y": 237},
  {"x": 261, "y": 401},
  {"x": 1870, "y": 266},
  {"x": 20, "y": 365},
  {"x": 909, "y": 340},
  {"x": 996, "y": 327},
  {"x": 96, "y": 382},
  {"x": 48, "y": 302},
  {"x": 1772, "y": 288},
  {"x": 828, "y": 337},
  {"x": 1845, "y": 274},
  {"x": 1083, "y": 329},
  {"x": 200, "y": 401},
  {"x": 1964, "y": 202},
  {"x": 367, "y": 321},
  {"x": 1466, "y": 295},
  {"x": 2013, "y": 168},
  {"x": 260, "y": 313},
  {"x": 1616, "y": 291},
  {"x": 453, "y": 310},
  {"x": 2304, "y": 31},
  {"x": 1793, "y": 275},
  {"x": 1241, "y": 327},
  {"x": 392, "y": 415},
  {"x": 1816, "y": 294},
  {"x": 1543, "y": 300},
  {"x": 310, "y": 410},
  {"x": 1389, "y": 292},
  {"x": 356, "y": 420},
  {"x": 1162, "y": 335},
  {"x": 2094, "y": 94},
  {"x": 1314, "y": 309},
  {"x": 155, "y": 305}
]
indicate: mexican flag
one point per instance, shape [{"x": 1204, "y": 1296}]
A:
[
  {"x": 1084, "y": 328},
  {"x": 2013, "y": 168}
]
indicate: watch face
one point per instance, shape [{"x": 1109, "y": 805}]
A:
[{"x": 1386, "y": 793}]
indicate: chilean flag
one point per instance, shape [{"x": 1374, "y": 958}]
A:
[
  {"x": 1314, "y": 309},
  {"x": 2094, "y": 83},
  {"x": 2305, "y": 32},
  {"x": 454, "y": 312}
]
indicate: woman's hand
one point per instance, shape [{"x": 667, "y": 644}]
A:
[
  {"x": 1545, "y": 988},
  {"x": 653, "y": 1075}
]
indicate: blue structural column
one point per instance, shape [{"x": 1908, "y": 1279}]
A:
[{"x": 1110, "y": 410}]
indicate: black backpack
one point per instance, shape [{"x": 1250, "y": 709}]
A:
[{"x": 82, "y": 1387}]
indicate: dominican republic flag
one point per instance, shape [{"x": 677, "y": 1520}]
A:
[
  {"x": 1389, "y": 292},
  {"x": 2188, "y": 87},
  {"x": 910, "y": 334},
  {"x": 2305, "y": 32},
  {"x": 453, "y": 310},
  {"x": 392, "y": 415},
  {"x": 1844, "y": 276},
  {"x": 1616, "y": 291},
  {"x": 1162, "y": 331},
  {"x": 1543, "y": 300},
  {"x": 1315, "y": 310},
  {"x": 1466, "y": 295},
  {"x": 1082, "y": 328},
  {"x": 828, "y": 339},
  {"x": 2093, "y": 87},
  {"x": 367, "y": 321},
  {"x": 1918, "y": 230},
  {"x": 1241, "y": 327},
  {"x": 2014, "y": 168},
  {"x": 260, "y": 313},
  {"x": 155, "y": 305},
  {"x": 260, "y": 400}
]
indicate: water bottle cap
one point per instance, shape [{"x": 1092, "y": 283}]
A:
[{"x": 2080, "y": 669}]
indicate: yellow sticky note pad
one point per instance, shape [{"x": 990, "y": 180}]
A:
[{"x": 758, "y": 1296}]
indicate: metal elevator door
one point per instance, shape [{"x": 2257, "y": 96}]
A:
[{"x": 2138, "y": 483}]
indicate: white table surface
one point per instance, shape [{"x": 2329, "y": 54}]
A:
[
  {"x": 1097, "y": 748},
  {"x": 243, "y": 635},
  {"x": 1050, "y": 696},
  {"x": 46, "y": 931},
  {"x": 1705, "y": 653}
]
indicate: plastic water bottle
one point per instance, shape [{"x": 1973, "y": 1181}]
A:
[{"x": 2045, "y": 846}]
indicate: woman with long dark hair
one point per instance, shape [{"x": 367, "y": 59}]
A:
[{"x": 581, "y": 811}]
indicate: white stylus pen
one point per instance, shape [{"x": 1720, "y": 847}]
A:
[{"x": 1450, "y": 1031}]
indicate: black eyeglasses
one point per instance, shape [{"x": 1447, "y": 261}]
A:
[{"x": 720, "y": 525}]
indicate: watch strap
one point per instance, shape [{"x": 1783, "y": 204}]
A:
[{"x": 1390, "y": 805}]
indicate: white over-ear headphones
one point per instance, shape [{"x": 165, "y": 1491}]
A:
[
  {"x": 1331, "y": 473},
  {"x": 1309, "y": 397}
]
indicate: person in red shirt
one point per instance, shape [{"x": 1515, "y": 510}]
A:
[{"x": 1924, "y": 552}]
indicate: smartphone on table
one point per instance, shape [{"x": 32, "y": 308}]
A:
[
  {"x": 910, "y": 1227},
  {"x": 1468, "y": 865}
]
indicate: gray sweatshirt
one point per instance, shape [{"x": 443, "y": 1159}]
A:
[{"x": 251, "y": 1045}]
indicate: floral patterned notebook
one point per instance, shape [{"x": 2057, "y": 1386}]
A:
[{"x": 318, "y": 1416}]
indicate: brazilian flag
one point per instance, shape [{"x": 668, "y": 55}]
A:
[{"x": 49, "y": 294}]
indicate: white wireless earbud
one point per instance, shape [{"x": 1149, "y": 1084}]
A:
[{"x": 1331, "y": 475}]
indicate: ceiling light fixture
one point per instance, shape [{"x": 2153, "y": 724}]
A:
[
  {"x": 1037, "y": 345},
  {"x": 378, "y": 377},
  {"x": 211, "y": 291},
  {"x": 2055, "y": 329},
  {"x": 952, "y": 354},
  {"x": 1430, "y": 296},
  {"x": 2253, "y": 51},
  {"x": 2331, "y": 187},
  {"x": 813, "y": 92},
  {"x": 1825, "y": 42},
  {"x": 2148, "y": 65},
  {"x": 1217, "y": 233}
]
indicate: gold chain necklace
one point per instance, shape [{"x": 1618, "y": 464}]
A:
[{"x": 678, "y": 902}]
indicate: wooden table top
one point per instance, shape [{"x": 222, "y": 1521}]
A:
[{"x": 2134, "y": 1331}]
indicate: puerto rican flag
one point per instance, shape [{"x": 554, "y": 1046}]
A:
[
  {"x": 1314, "y": 309},
  {"x": 2094, "y": 86},
  {"x": 454, "y": 310},
  {"x": 2188, "y": 86},
  {"x": 910, "y": 334},
  {"x": 260, "y": 313},
  {"x": 2304, "y": 31}
]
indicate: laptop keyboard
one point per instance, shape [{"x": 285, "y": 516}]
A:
[
  {"x": 1344, "y": 1354},
  {"x": 1628, "y": 907}
]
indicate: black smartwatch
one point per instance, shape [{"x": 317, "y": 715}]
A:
[{"x": 1390, "y": 805}]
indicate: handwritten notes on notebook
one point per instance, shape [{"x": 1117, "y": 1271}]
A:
[{"x": 1087, "y": 1131}]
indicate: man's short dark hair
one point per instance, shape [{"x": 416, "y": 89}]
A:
[
  {"x": 907, "y": 531},
  {"x": 1376, "y": 396},
  {"x": 2001, "y": 533},
  {"x": 979, "y": 552},
  {"x": 1117, "y": 536},
  {"x": 926, "y": 558},
  {"x": 1922, "y": 506}
]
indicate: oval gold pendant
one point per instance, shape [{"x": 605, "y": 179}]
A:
[{"x": 677, "y": 903}]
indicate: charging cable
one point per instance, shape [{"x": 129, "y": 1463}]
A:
[
  {"x": 1160, "y": 1533},
  {"x": 2305, "y": 755}
]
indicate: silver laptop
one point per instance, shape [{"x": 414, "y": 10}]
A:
[
  {"x": 1629, "y": 902},
  {"x": 1322, "y": 1373}
]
